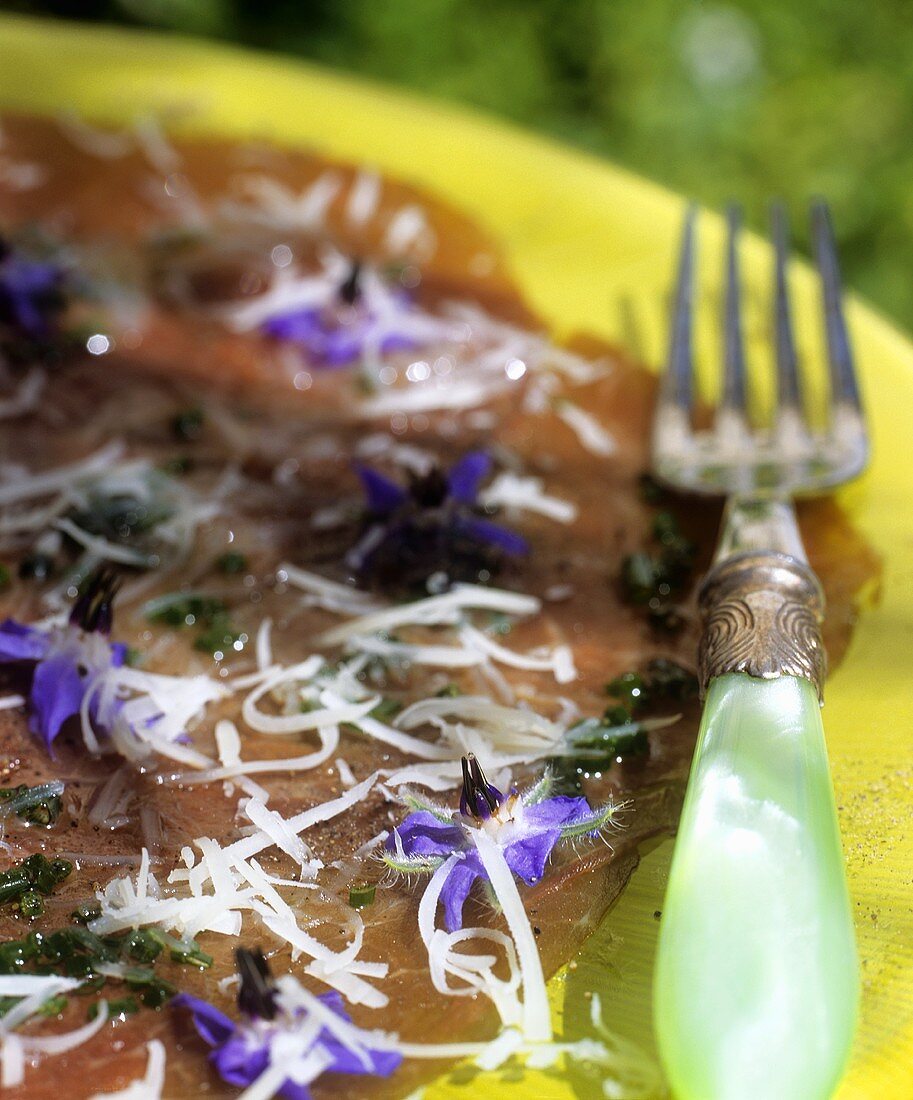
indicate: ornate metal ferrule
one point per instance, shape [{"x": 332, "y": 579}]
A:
[{"x": 762, "y": 614}]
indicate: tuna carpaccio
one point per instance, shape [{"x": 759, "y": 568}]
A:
[{"x": 301, "y": 417}]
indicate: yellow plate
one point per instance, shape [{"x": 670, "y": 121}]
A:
[{"x": 592, "y": 246}]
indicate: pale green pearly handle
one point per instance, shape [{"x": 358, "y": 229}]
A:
[{"x": 756, "y": 980}]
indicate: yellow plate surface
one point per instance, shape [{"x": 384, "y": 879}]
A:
[{"x": 592, "y": 247}]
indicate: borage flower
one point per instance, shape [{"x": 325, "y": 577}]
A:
[
  {"x": 432, "y": 525},
  {"x": 526, "y": 826},
  {"x": 31, "y": 295},
  {"x": 358, "y": 316},
  {"x": 67, "y": 659},
  {"x": 286, "y": 1037}
]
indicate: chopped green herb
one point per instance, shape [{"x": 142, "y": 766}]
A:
[
  {"x": 195, "y": 958},
  {"x": 499, "y": 623},
  {"x": 180, "y": 610},
  {"x": 449, "y": 691},
  {"x": 387, "y": 708},
  {"x": 188, "y": 425},
  {"x": 154, "y": 992},
  {"x": 654, "y": 579},
  {"x": 120, "y": 517},
  {"x": 84, "y": 913},
  {"x": 13, "y": 884},
  {"x": 75, "y": 952},
  {"x": 231, "y": 563},
  {"x": 31, "y": 904},
  {"x": 219, "y": 638},
  {"x": 361, "y": 896},
  {"x": 38, "y": 805},
  {"x": 595, "y": 744},
  {"x": 208, "y": 613},
  {"x": 143, "y": 946},
  {"x": 617, "y": 715},
  {"x": 28, "y": 880},
  {"x": 601, "y": 741},
  {"x": 54, "y": 1006},
  {"x": 628, "y": 687},
  {"x": 661, "y": 681},
  {"x": 46, "y": 874}
]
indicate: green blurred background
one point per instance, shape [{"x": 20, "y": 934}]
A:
[{"x": 749, "y": 98}]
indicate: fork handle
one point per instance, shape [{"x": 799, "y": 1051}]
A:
[
  {"x": 756, "y": 982},
  {"x": 756, "y": 979}
]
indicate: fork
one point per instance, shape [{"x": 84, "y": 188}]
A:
[{"x": 756, "y": 980}]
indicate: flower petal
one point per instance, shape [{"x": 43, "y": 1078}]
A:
[
  {"x": 56, "y": 694},
  {"x": 238, "y": 1061},
  {"x": 291, "y": 1090},
  {"x": 466, "y": 476},
  {"x": 382, "y": 494},
  {"x": 527, "y": 857},
  {"x": 22, "y": 643},
  {"x": 327, "y": 344},
  {"x": 29, "y": 294},
  {"x": 557, "y": 812},
  {"x": 383, "y": 1062},
  {"x": 422, "y": 834},
  {"x": 456, "y": 889},
  {"x": 212, "y": 1024},
  {"x": 483, "y": 530}
]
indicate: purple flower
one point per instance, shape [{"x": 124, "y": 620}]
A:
[
  {"x": 31, "y": 294},
  {"x": 280, "y": 1025},
  {"x": 431, "y": 525},
  {"x": 527, "y": 827},
  {"x": 354, "y": 319},
  {"x": 66, "y": 659}
]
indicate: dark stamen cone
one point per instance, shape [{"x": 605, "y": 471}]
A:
[
  {"x": 257, "y": 995},
  {"x": 94, "y": 609},
  {"x": 479, "y": 799}
]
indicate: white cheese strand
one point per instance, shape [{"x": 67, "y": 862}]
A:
[
  {"x": 518, "y": 494},
  {"x": 15, "y": 1048},
  {"x": 591, "y": 434},
  {"x": 364, "y": 197},
  {"x": 435, "y": 610},
  {"x": 150, "y": 1085},
  {"x": 20, "y": 486},
  {"x": 26, "y": 396},
  {"x": 35, "y": 990},
  {"x": 558, "y": 661},
  {"x": 475, "y": 972},
  {"x": 332, "y": 596},
  {"x": 101, "y": 547},
  {"x": 537, "y": 1020}
]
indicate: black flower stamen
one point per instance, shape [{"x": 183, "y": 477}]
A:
[
  {"x": 429, "y": 490},
  {"x": 433, "y": 526},
  {"x": 350, "y": 288},
  {"x": 94, "y": 610},
  {"x": 257, "y": 995},
  {"x": 479, "y": 798}
]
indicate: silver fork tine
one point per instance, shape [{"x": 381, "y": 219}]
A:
[
  {"x": 789, "y": 387},
  {"x": 735, "y": 388},
  {"x": 844, "y": 384},
  {"x": 678, "y": 379}
]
